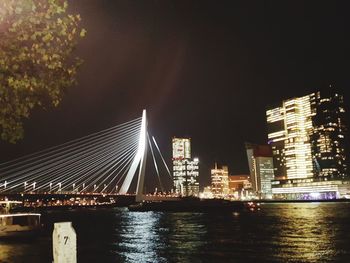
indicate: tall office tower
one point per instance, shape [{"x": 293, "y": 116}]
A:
[
  {"x": 185, "y": 169},
  {"x": 261, "y": 170},
  {"x": 328, "y": 137},
  {"x": 289, "y": 127},
  {"x": 219, "y": 181},
  {"x": 308, "y": 144}
]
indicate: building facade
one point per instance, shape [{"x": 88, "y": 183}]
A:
[
  {"x": 185, "y": 169},
  {"x": 289, "y": 127},
  {"x": 219, "y": 181},
  {"x": 240, "y": 186},
  {"x": 261, "y": 169},
  {"x": 328, "y": 137},
  {"x": 307, "y": 137}
]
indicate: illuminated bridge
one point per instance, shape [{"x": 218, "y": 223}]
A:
[{"x": 103, "y": 163}]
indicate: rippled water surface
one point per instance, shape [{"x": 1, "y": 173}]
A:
[{"x": 308, "y": 232}]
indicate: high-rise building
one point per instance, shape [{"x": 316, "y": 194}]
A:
[
  {"x": 261, "y": 170},
  {"x": 289, "y": 127},
  {"x": 181, "y": 148},
  {"x": 219, "y": 181},
  {"x": 308, "y": 145},
  {"x": 328, "y": 137},
  {"x": 185, "y": 169}
]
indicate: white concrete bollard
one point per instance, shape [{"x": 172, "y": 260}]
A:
[{"x": 64, "y": 242}]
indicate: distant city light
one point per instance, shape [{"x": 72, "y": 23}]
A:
[{"x": 315, "y": 195}]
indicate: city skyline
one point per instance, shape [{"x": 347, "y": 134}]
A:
[
  {"x": 211, "y": 79},
  {"x": 174, "y": 131},
  {"x": 308, "y": 137}
]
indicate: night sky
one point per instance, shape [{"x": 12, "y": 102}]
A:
[{"x": 203, "y": 69}]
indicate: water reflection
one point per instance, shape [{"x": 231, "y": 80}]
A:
[
  {"x": 5, "y": 252},
  {"x": 12, "y": 251},
  {"x": 277, "y": 233},
  {"x": 306, "y": 233},
  {"x": 139, "y": 237},
  {"x": 160, "y": 237},
  {"x": 186, "y": 238}
]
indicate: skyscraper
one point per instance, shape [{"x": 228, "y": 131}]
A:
[
  {"x": 307, "y": 136},
  {"x": 261, "y": 169},
  {"x": 328, "y": 137},
  {"x": 289, "y": 127},
  {"x": 219, "y": 181},
  {"x": 185, "y": 169}
]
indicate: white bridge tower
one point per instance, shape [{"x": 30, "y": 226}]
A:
[{"x": 139, "y": 160}]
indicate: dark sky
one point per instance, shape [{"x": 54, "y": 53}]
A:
[{"x": 204, "y": 69}]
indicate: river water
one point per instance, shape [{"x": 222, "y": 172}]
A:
[{"x": 305, "y": 232}]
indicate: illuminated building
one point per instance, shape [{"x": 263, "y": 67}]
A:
[
  {"x": 219, "y": 181},
  {"x": 308, "y": 144},
  {"x": 207, "y": 193},
  {"x": 239, "y": 185},
  {"x": 181, "y": 148},
  {"x": 185, "y": 169},
  {"x": 289, "y": 127},
  {"x": 311, "y": 188},
  {"x": 328, "y": 138},
  {"x": 261, "y": 169}
]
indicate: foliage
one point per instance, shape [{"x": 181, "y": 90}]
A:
[{"x": 37, "y": 38}]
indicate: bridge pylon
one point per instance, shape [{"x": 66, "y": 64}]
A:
[{"x": 138, "y": 161}]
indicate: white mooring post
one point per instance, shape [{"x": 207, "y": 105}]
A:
[{"x": 64, "y": 242}]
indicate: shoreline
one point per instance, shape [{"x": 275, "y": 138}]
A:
[{"x": 303, "y": 201}]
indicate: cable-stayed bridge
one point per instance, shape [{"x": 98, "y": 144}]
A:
[{"x": 102, "y": 163}]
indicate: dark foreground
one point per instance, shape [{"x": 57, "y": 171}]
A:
[{"x": 291, "y": 232}]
